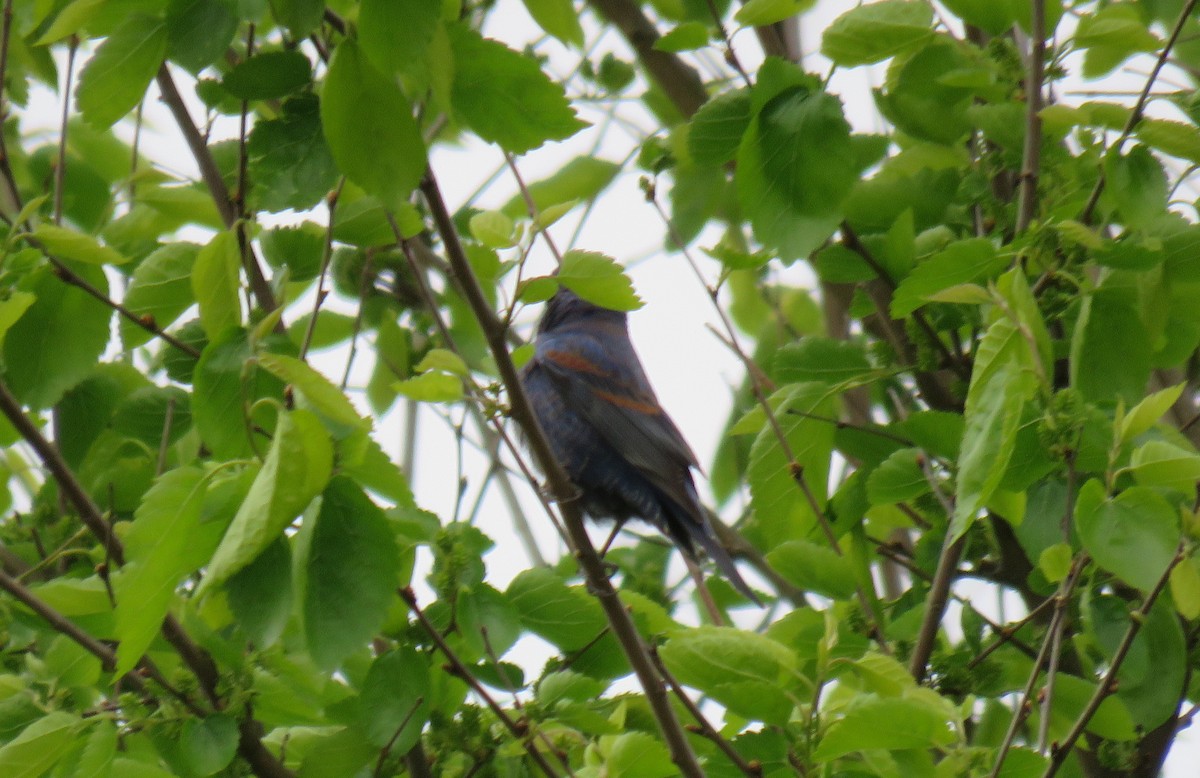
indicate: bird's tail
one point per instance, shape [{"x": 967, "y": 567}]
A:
[
  {"x": 691, "y": 528},
  {"x": 704, "y": 536}
]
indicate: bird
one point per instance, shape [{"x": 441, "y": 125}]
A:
[{"x": 607, "y": 429}]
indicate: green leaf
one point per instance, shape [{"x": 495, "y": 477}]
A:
[
  {"x": 71, "y": 664},
  {"x": 1055, "y": 562},
  {"x": 921, "y": 102},
  {"x": 216, "y": 282},
  {"x": 269, "y": 75},
  {"x": 598, "y": 279},
  {"x": 58, "y": 339},
  {"x": 1137, "y": 184},
  {"x": 395, "y": 34},
  {"x": 1174, "y": 138},
  {"x": 318, "y": 391},
  {"x": 343, "y": 605},
  {"x": 796, "y": 166},
  {"x": 1158, "y": 463},
  {"x": 299, "y": 16},
  {"x": 368, "y": 123},
  {"x": 291, "y": 166},
  {"x": 161, "y": 288},
  {"x": 1133, "y": 536},
  {"x": 898, "y": 478},
  {"x": 887, "y": 723},
  {"x": 260, "y": 594},
  {"x": 1110, "y": 35},
  {"x": 69, "y": 244},
  {"x": 872, "y": 33},
  {"x": 493, "y": 229},
  {"x": 966, "y": 261},
  {"x": 504, "y": 97},
  {"x": 638, "y": 755},
  {"x": 396, "y": 690},
  {"x": 748, "y": 673},
  {"x": 445, "y": 360},
  {"x": 993, "y": 414},
  {"x": 225, "y": 386},
  {"x": 69, "y": 21},
  {"x": 12, "y": 308},
  {"x": 115, "y": 79},
  {"x": 684, "y": 37},
  {"x": 208, "y": 745},
  {"x": 1185, "y": 588},
  {"x": 1109, "y": 354},
  {"x": 825, "y": 360},
  {"x": 716, "y": 129},
  {"x": 39, "y": 746},
  {"x": 199, "y": 31},
  {"x": 154, "y": 546},
  {"x": 565, "y": 616},
  {"x": 580, "y": 180},
  {"x": 435, "y": 387},
  {"x": 779, "y": 504},
  {"x": 296, "y": 470},
  {"x": 557, "y": 17},
  {"x": 762, "y": 13},
  {"x": 814, "y": 568}
]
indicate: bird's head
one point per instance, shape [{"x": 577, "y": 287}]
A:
[{"x": 566, "y": 307}]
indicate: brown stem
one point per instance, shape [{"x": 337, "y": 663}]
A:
[
  {"x": 680, "y": 82},
  {"x": 211, "y": 175},
  {"x": 519, "y": 730},
  {"x": 706, "y": 728},
  {"x": 1031, "y": 156},
  {"x": 935, "y": 606},
  {"x": 1059, "y": 754},
  {"x": 145, "y": 322},
  {"x": 326, "y": 254},
  {"x": 593, "y": 569},
  {"x": 60, "y": 169}
]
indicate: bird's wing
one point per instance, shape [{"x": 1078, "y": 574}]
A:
[{"x": 602, "y": 380}]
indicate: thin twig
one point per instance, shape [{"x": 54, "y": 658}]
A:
[
  {"x": 706, "y": 729},
  {"x": 1024, "y": 703},
  {"x": 601, "y": 587},
  {"x": 211, "y": 175},
  {"x": 759, "y": 390},
  {"x": 10, "y": 182},
  {"x": 1031, "y": 156},
  {"x": 1059, "y": 754},
  {"x": 517, "y": 730},
  {"x": 326, "y": 254},
  {"x": 387, "y": 749},
  {"x": 1059, "y": 621},
  {"x": 60, "y": 168},
  {"x": 64, "y": 273},
  {"x": 1135, "y": 115},
  {"x": 730, "y": 54}
]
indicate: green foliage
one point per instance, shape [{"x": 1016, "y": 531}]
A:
[{"x": 991, "y": 396}]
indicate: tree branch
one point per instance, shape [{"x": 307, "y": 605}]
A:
[
  {"x": 1031, "y": 156},
  {"x": 591, "y": 565},
  {"x": 196, "y": 659},
  {"x": 680, "y": 82},
  {"x": 1058, "y": 754},
  {"x": 211, "y": 175}
]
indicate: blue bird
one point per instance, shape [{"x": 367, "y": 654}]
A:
[{"x": 607, "y": 429}]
